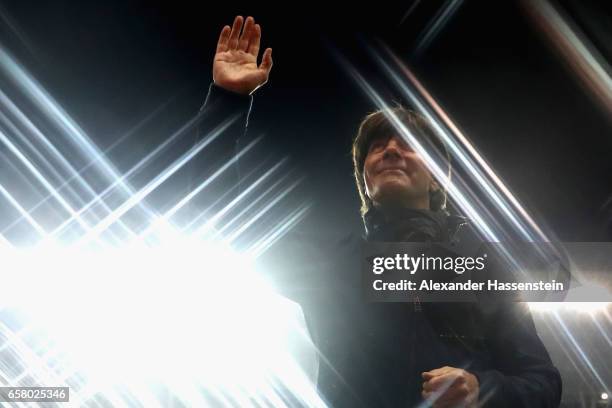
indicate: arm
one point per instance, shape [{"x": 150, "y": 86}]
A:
[
  {"x": 236, "y": 76},
  {"x": 225, "y": 110},
  {"x": 526, "y": 376}
]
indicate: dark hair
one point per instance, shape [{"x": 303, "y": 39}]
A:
[{"x": 378, "y": 124}]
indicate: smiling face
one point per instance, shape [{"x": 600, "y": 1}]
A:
[{"x": 395, "y": 176}]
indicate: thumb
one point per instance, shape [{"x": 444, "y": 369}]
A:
[
  {"x": 427, "y": 375},
  {"x": 266, "y": 60}
]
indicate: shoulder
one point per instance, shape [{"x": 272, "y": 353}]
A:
[{"x": 309, "y": 253}]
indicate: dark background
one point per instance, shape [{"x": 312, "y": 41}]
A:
[{"x": 112, "y": 63}]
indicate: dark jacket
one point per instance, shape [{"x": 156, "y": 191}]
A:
[{"x": 373, "y": 354}]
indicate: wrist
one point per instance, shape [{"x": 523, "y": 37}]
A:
[{"x": 234, "y": 88}]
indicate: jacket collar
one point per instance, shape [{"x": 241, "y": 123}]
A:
[{"x": 412, "y": 225}]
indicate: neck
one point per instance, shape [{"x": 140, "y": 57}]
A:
[
  {"x": 392, "y": 209},
  {"x": 404, "y": 224}
]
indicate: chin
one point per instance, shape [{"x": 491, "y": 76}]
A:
[
  {"x": 390, "y": 192},
  {"x": 397, "y": 189},
  {"x": 395, "y": 185}
]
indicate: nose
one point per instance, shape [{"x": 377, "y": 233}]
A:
[{"x": 392, "y": 148}]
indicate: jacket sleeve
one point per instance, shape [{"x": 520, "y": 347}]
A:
[
  {"x": 220, "y": 107},
  {"x": 224, "y": 114},
  {"x": 525, "y": 375}
]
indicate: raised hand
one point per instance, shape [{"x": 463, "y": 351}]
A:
[{"x": 235, "y": 64}]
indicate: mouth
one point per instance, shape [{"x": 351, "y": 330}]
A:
[{"x": 392, "y": 169}]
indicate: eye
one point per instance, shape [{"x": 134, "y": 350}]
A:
[
  {"x": 407, "y": 148},
  {"x": 403, "y": 145},
  {"x": 377, "y": 145}
]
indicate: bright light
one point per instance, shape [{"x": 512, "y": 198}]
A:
[
  {"x": 182, "y": 312},
  {"x": 604, "y": 396},
  {"x": 585, "y": 307},
  {"x": 115, "y": 314},
  {"x": 575, "y": 300}
]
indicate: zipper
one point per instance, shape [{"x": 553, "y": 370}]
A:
[{"x": 417, "y": 304}]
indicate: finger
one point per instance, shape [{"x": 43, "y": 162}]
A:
[
  {"x": 444, "y": 381},
  {"x": 432, "y": 398},
  {"x": 447, "y": 404},
  {"x": 243, "y": 44},
  {"x": 233, "y": 40},
  {"x": 455, "y": 396},
  {"x": 433, "y": 385},
  {"x": 438, "y": 371},
  {"x": 438, "y": 400},
  {"x": 255, "y": 40},
  {"x": 427, "y": 376},
  {"x": 224, "y": 39},
  {"x": 266, "y": 61}
]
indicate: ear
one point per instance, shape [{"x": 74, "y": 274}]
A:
[
  {"x": 366, "y": 190},
  {"x": 433, "y": 185}
]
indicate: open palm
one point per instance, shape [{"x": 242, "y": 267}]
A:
[{"x": 235, "y": 64}]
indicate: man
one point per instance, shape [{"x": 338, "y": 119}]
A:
[{"x": 388, "y": 354}]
